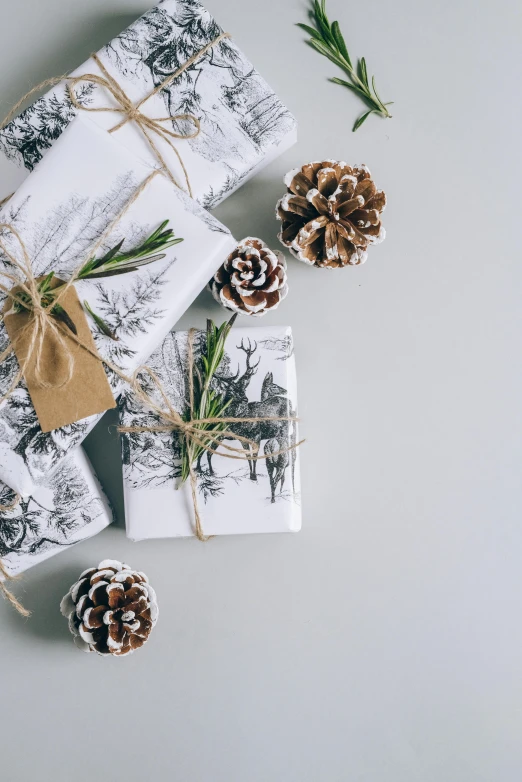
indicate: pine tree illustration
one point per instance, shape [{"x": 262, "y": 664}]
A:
[
  {"x": 32, "y": 527},
  {"x": 29, "y": 135}
]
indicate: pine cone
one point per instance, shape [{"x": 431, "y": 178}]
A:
[
  {"x": 111, "y": 609},
  {"x": 331, "y": 213},
  {"x": 252, "y": 280}
]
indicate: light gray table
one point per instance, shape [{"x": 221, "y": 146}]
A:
[{"x": 383, "y": 643}]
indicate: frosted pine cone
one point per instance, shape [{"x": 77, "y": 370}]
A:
[
  {"x": 331, "y": 214},
  {"x": 111, "y": 609},
  {"x": 252, "y": 280}
]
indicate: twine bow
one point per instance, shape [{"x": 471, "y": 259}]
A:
[
  {"x": 41, "y": 322},
  {"x": 151, "y": 127},
  {"x": 192, "y": 433}
]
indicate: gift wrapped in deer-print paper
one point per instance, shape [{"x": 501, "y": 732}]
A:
[
  {"x": 70, "y": 506},
  {"x": 257, "y": 380},
  {"x": 78, "y": 192},
  {"x": 243, "y": 124}
]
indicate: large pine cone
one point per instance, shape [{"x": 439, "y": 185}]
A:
[
  {"x": 331, "y": 213},
  {"x": 252, "y": 280},
  {"x": 111, "y": 609}
]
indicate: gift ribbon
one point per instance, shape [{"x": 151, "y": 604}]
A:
[
  {"x": 151, "y": 127},
  {"x": 4, "y": 576},
  {"x": 190, "y": 430}
]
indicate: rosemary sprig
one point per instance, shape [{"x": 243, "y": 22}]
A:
[
  {"x": 116, "y": 262},
  {"x": 207, "y": 402},
  {"x": 103, "y": 327},
  {"x": 112, "y": 263},
  {"x": 327, "y": 39}
]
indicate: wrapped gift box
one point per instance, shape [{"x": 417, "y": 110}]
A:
[
  {"x": 67, "y": 202},
  {"x": 258, "y": 374},
  {"x": 244, "y": 125},
  {"x": 68, "y": 508}
]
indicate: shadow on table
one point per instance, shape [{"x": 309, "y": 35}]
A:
[
  {"x": 64, "y": 53},
  {"x": 41, "y": 591}
]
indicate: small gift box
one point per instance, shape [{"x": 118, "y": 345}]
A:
[
  {"x": 257, "y": 382},
  {"x": 242, "y": 124},
  {"x": 87, "y": 188},
  {"x": 68, "y": 508}
]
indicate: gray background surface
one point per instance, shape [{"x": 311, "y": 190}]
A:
[{"x": 384, "y": 642}]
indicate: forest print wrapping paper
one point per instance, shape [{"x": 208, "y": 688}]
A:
[
  {"x": 244, "y": 125},
  {"x": 60, "y": 210},
  {"x": 258, "y": 376},
  {"x": 67, "y": 508}
]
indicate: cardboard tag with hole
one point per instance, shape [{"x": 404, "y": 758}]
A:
[{"x": 87, "y": 392}]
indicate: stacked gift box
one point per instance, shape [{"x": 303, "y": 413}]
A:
[{"x": 86, "y": 174}]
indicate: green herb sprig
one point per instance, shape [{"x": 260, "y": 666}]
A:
[
  {"x": 24, "y": 302},
  {"x": 207, "y": 402},
  {"x": 112, "y": 263},
  {"x": 327, "y": 39},
  {"x": 116, "y": 262}
]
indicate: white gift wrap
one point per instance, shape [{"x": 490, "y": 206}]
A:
[
  {"x": 244, "y": 125},
  {"x": 262, "y": 383},
  {"x": 62, "y": 207},
  {"x": 67, "y": 508}
]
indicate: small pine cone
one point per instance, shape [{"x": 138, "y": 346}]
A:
[
  {"x": 252, "y": 280},
  {"x": 111, "y": 609},
  {"x": 331, "y": 214}
]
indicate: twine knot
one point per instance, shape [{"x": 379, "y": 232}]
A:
[
  {"x": 193, "y": 430},
  {"x": 151, "y": 127}
]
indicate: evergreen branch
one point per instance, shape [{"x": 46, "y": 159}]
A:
[
  {"x": 116, "y": 262},
  {"x": 103, "y": 327},
  {"x": 327, "y": 39},
  {"x": 112, "y": 263},
  {"x": 207, "y": 402}
]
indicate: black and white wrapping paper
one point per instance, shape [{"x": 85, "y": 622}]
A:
[
  {"x": 235, "y": 497},
  {"x": 244, "y": 125},
  {"x": 76, "y": 190},
  {"x": 67, "y": 508}
]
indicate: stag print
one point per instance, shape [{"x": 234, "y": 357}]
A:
[{"x": 152, "y": 459}]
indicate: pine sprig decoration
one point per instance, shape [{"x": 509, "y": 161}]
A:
[
  {"x": 327, "y": 39},
  {"x": 116, "y": 262},
  {"x": 207, "y": 402},
  {"x": 112, "y": 263}
]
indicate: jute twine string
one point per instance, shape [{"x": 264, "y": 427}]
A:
[
  {"x": 151, "y": 127},
  {"x": 4, "y": 576},
  {"x": 10, "y": 505},
  {"x": 191, "y": 432},
  {"x": 41, "y": 323}
]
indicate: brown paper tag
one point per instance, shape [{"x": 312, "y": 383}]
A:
[{"x": 87, "y": 393}]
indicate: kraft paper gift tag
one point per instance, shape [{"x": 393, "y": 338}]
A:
[{"x": 62, "y": 403}]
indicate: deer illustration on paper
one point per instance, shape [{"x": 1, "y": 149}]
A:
[{"x": 277, "y": 434}]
